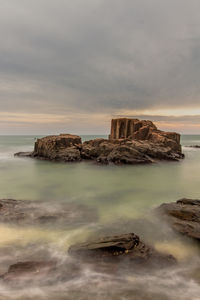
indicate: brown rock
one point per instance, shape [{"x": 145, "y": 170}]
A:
[
  {"x": 63, "y": 147},
  {"x": 183, "y": 216},
  {"x": 118, "y": 248},
  {"x": 125, "y": 154},
  {"x": 143, "y": 130},
  {"x": 28, "y": 270},
  {"x": 130, "y": 128}
]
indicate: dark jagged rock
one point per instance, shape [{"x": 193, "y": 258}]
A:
[
  {"x": 184, "y": 216},
  {"x": 126, "y": 151},
  {"x": 38, "y": 213},
  {"x": 120, "y": 248},
  {"x": 23, "y": 154},
  {"x": 131, "y": 142}
]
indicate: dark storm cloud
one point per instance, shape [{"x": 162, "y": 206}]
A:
[{"x": 99, "y": 55}]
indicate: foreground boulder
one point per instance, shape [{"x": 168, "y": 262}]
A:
[
  {"x": 131, "y": 142},
  {"x": 40, "y": 213},
  {"x": 126, "y": 247},
  {"x": 184, "y": 216}
]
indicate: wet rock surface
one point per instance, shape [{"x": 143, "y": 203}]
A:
[
  {"x": 127, "y": 248},
  {"x": 27, "y": 270},
  {"x": 124, "y": 254},
  {"x": 183, "y": 216},
  {"x": 139, "y": 143},
  {"x": 40, "y": 272},
  {"x": 38, "y": 213}
]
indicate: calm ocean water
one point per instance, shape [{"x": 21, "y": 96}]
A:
[{"x": 120, "y": 195}]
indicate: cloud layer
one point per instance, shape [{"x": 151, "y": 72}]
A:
[{"x": 97, "y": 57}]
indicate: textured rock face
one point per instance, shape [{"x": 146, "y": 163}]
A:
[
  {"x": 183, "y": 216},
  {"x": 131, "y": 142},
  {"x": 62, "y": 147},
  {"x": 130, "y": 128},
  {"x": 125, "y": 151},
  {"x": 143, "y": 130},
  {"x": 117, "y": 248}
]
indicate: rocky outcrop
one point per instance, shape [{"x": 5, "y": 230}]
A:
[
  {"x": 120, "y": 248},
  {"x": 131, "y": 142},
  {"x": 127, "y": 151},
  {"x": 124, "y": 128},
  {"x": 37, "y": 213},
  {"x": 183, "y": 216},
  {"x": 143, "y": 130},
  {"x": 62, "y": 147}
]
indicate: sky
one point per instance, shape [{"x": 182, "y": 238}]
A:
[{"x": 71, "y": 66}]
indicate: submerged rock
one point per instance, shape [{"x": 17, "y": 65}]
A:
[
  {"x": 126, "y": 248},
  {"x": 193, "y": 146},
  {"x": 28, "y": 270},
  {"x": 131, "y": 142},
  {"x": 183, "y": 216},
  {"x": 40, "y": 213}
]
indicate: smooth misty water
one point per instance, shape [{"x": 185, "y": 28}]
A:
[{"x": 121, "y": 196}]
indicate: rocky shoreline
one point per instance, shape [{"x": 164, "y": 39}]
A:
[
  {"x": 107, "y": 254},
  {"x": 131, "y": 141}
]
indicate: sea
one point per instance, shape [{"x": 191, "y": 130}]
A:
[{"x": 121, "y": 199}]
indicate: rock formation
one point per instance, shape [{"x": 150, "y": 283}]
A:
[
  {"x": 131, "y": 142},
  {"x": 118, "y": 248},
  {"x": 183, "y": 216},
  {"x": 143, "y": 130},
  {"x": 62, "y": 147},
  {"x": 28, "y": 270}
]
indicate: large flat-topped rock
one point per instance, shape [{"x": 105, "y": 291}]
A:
[
  {"x": 58, "y": 147},
  {"x": 57, "y": 141}
]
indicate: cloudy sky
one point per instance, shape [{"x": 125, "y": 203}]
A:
[{"x": 71, "y": 66}]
